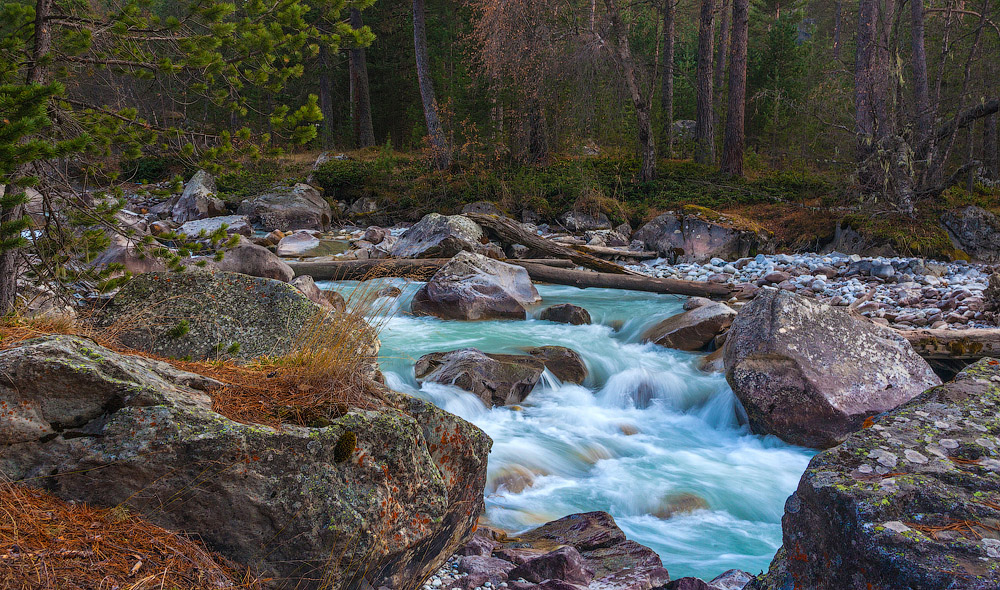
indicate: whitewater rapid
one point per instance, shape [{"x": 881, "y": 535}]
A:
[{"x": 648, "y": 437}]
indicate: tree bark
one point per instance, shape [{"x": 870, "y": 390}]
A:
[
  {"x": 43, "y": 42},
  {"x": 921, "y": 90},
  {"x": 732, "y": 151},
  {"x": 364, "y": 134},
  {"x": 704, "y": 129},
  {"x": 667, "y": 77},
  {"x": 870, "y": 96},
  {"x": 644, "y": 119},
  {"x": 721, "y": 57},
  {"x": 441, "y": 151},
  {"x": 9, "y": 266}
]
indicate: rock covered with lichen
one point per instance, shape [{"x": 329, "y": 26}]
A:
[
  {"x": 810, "y": 373},
  {"x": 382, "y": 494},
  {"x": 911, "y": 501}
]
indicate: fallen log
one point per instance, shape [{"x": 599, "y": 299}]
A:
[
  {"x": 584, "y": 279},
  {"x": 606, "y": 251},
  {"x": 559, "y": 272},
  {"x": 513, "y": 233},
  {"x": 969, "y": 344},
  {"x": 359, "y": 270}
]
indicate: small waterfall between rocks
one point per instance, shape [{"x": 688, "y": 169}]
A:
[{"x": 648, "y": 437}]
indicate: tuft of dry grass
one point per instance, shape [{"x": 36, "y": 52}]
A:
[
  {"x": 331, "y": 368},
  {"x": 48, "y": 543}
]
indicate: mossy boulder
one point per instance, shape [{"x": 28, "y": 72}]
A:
[
  {"x": 697, "y": 234},
  {"x": 910, "y": 501},
  {"x": 202, "y": 314},
  {"x": 305, "y": 507}
]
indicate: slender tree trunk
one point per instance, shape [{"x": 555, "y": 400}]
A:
[
  {"x": 439, "y": 143},
  {"x": 722, "y": 54},
  {"x": 838, "y": 19},
  {"x": 644, "y": 120},
  {"x": 667, "y": 78},
  {"x": 704, "y": 130},
  {"x": 869, "y": 99},
  {"x": 326, "y": 96},
  {"x": 538, "y": 145},
  {"x": 921, "y": 90},
  {"x": 364, "y": 134},
  {"x": 991, "y": 161},
  {"x": 732, "y": 151},
  {"x": 43, "y": 42}
]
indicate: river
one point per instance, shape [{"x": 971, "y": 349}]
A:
[{"x": 648, "y": 437}]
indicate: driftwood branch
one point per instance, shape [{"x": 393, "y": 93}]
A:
[
  {"x": 361, "y": 270},
  {"x": 512, "y": 232}
]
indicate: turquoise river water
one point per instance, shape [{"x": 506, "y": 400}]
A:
[{"x": 648, "y": 437}]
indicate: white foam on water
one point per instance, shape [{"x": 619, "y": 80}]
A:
[{"x": 648, "y": 437}]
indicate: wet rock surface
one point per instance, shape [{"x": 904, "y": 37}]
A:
[
  {"x": 694, "y": 329},
  {"x": 566, "y": 313},
  {"x": 579, "y": 551},
  {"x": 911, "y": 501}
]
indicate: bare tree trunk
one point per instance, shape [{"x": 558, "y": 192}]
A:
[
  {"x": 43, "y": 42},
  {"x": 538, "y": 143},
  {"x": 364, "y": 134},
  {"x": 991, "y": 162},
  {"x": 721, "y": 58},
  {"x": 439, "y": 143},
  {"x": 704, "y": 129},
  {"x": 667, "y": 77},
  {"x": 838, "y": 20},
  {"x": 732, "y": 150},
  {"x": 644, "y": 120},
  {"x": 870, "y": 96},
  {"x": 9, "y": 267},
  {"x": 326, "y": 96},
  {"x": 921, "y": 91}
]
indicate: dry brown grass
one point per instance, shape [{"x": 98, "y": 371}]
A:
[
  {"x": 331, "y": 367},
  {"x": 47, "y": 543}
]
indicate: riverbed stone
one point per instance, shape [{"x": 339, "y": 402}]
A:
[
  {"x": 440, "y": 236},
  {"x": 92, "y": 425},
  {"x": 566, "y": 313},
  {"x": 473, "y": 287},
  {"x": 565, "y": 363},
  {"x": 297, "y": 244},
  {"x": 498, "y": 379},
  {"x": 564, "y": 564},
  {"x": 856, "y": 524},
  {"x": 198, "y": 200},
  {"x": 298, "y": 207},
  {"x": 692, "y": 330},
  {"x": 234, "y": 224},
  {"x": 201, "y": 314},
  {"x": 250, "y": 259},
  {"x": 811, "y": 373}
]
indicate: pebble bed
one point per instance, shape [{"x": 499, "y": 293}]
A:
[
  {"x": 908, "y": 292},
  {"x": 448, "y": 578}
]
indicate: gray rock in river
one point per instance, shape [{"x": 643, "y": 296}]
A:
[
  {"x": 811, "y": 373},
  {"x": 911, "y": 502},
  {"x": 92, "y": 425},
  {"x": 692, "y": 330},
  {"x": 198, "y": 200},
  {"x": 474, "y": 287},
  {"x": 440, "y": 236},
  {"x": 566, "y": 313},
  {"x": 235, "y": 224},
  {"x": 566, "y": 364},
  {"x": 298, "y": 207},
  {"x": 498, "y": 379},
  {"x": 250, "y": 259}
]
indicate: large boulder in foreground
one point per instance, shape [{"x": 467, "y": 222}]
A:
[
  {"x": 975, "y": 231},
  {"x": 498, "y": 379},
  {"x": 811, "y": 373},
  {"x": 694, "y": 329},
  {"x": 299, "y": 207},
  {"x": 698, "y": 235},
  {"x": 911, "y": 502},
  {"x": 474, "y": 287},
  {"x": 389, "y": 493},
  {"x": 439, "y": 236},
  {"x": 203, "y": 315},
  {"x": 198, "y": 200}
]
